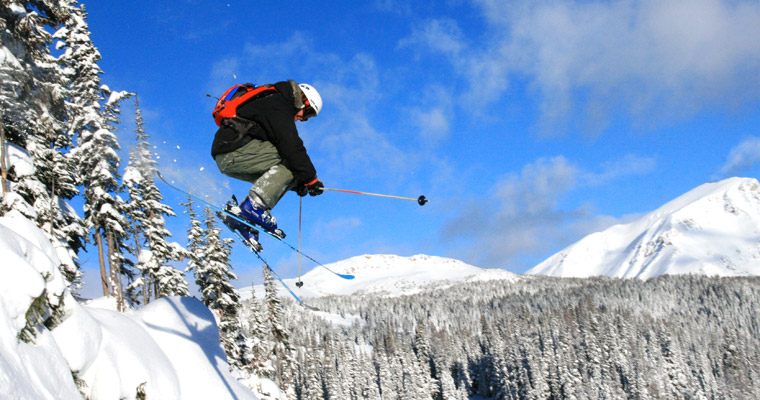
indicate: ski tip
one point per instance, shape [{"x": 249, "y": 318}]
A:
[
  {"x": 310, "y": 308},
  {"x": 346, "y": 276}
]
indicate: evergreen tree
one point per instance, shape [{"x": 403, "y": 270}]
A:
[
  {"x": 98, "y": 169},
  {"x": 282, "y": 352},
  {"x": 195, "y": 240},
  {"x": 312, "y": 381},
  {"x": 148, "y": 212},
  {"x": 421, "y": 347},
  {"x": 33, "y": 109},
  {"x": 257, "y": 343},
  {"x": 213, "y": 276},
  {"x": 140, "y": 164},
  {"x": 94, "y": 158},
  {"x": 91, "y": 113}
]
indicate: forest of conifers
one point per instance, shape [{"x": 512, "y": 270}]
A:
[{"x": 673, "y": 337}]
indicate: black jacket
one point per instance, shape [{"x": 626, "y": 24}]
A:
[{"x": 273, "y": 117}]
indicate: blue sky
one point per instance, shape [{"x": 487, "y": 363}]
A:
[{"x": 527, "y": 124}]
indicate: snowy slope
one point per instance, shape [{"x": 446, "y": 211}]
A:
[
  {"x": 713, "y": 230},
  {"x": 170, "y": 348},
  {"x": 387, "y": 275}
]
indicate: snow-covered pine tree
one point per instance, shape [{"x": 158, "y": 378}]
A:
[
  {"x": 26, "y": 73},
  {"x": 334, "y": 382},
  {"x": 78, "y": 61},
  {"x": 30, "y": 83},
  {"x": 421, "y": 347},
  {"x": 33, "y": 109},
  {"x": 147, "y": 210},
  {"x": 311, "y": 376},
  {"x": 257, "y": 344},
  {"x": 195, "y": 240},
  {"x": 94, "y": 158},
  {"x": 385, "y": 380},
  {"x": 140, "y": 158},
  {"x": 368, "y": 379},
  {"x": 283, "y": 351},
  {"x": 446, "y": 387},
  {"x": 212, "y": 270},
  {"x": 213, "y": 276},
  {"x": 97, "y": 164}
]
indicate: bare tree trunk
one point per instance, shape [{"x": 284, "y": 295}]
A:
[
  {"x": 146, "y": 292},
  {"x": 156, "y": 284},
  {"x": 3, "y": 166},
  {"x": 52, "y": 206},
  {"x": 101, "y": 259},
  {"x": 115, "y": 270}
]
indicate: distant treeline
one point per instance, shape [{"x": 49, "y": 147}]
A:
[{"x": 673, "y": 337}]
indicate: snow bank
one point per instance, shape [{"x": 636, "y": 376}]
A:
[
  {"x": 169, "y": 349},
  {"x": 185, "y": 329},
  {"x": 39, "y": 370}
]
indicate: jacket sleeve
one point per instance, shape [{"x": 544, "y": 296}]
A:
[{"x": 284, "y": 136}]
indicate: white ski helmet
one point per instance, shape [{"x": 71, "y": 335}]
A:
[{"x": 315, "y": 100}]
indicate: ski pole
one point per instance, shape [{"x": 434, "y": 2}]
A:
[
  {"x": 420, "y": 200},
  {"x": 300, "y": 208}
]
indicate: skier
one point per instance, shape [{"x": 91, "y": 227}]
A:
[{"x": 260, "y": 144}]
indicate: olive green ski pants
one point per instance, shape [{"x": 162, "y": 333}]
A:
[{"x": 258, "y": 163}]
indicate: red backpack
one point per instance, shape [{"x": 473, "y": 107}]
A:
[{"x": 237, "y": 95}]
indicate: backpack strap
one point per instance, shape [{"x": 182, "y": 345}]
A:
[{"x": 236, "y": 96}]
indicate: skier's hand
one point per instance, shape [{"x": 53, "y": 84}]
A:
[{"x": 313, "y": 188}]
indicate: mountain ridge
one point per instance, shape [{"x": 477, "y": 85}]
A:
[
  {"x": 387, "y": 275},
  {"x": 713, "y": 229}
]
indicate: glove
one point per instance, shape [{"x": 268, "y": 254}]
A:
[{"x": 313, "y": 188}]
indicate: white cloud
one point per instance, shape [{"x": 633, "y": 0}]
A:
[
  {"x": 521, "y": 217},
  {"x": 656, "y": 61},
  {"x": 525, "y": 216},
  {"x": 433, "y": 116},
  {"x": 441, "y": 35},
  {"x": 222, "y": 73},
  {"x": 742, "y": 157},
  {"x": 344, "y": 224},
  {"x": 537, "y": 189},
  {"x": 630, "y": 164}
]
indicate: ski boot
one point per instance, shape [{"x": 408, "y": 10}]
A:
[
  {"x": 250, "y": 235},
  {"x": 258, "y": 215}
]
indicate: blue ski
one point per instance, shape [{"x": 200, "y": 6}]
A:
[{"x": 344, "y": 276}]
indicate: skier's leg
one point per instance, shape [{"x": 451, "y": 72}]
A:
[
  {"x": 272, "y": 185},
  {"x": 249, "y": 162},
  {"x": 258, "y": 162}
]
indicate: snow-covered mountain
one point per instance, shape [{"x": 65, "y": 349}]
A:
[
  {"x": 387, "y": 275},
  {"x": 713, "y": 230}
]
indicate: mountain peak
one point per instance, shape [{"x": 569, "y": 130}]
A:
[{"x": 713, "y": 229}]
